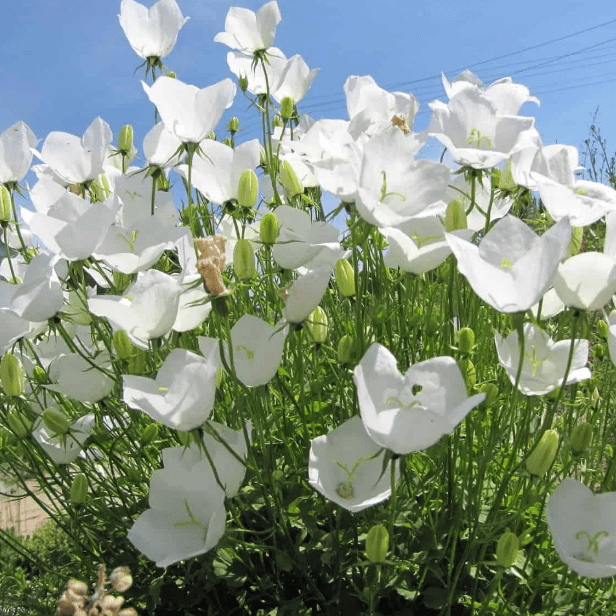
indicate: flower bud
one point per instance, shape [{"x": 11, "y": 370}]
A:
[
  {"x": 346, "y": 349},
  {"x": 170, "y": 74},
  {"x": 287, "y": 108},
  {"x": 269, "y": 228},
  {"x": 121, "y": 579},
  {"x": 244, "y": 260},
  {"x": 79, "y": 489},
  {"x": 228, "y": 142},
  {"x": 455, "y": 216},
  {"x": 136, "y": 363},
  {"x": 125, "y": 140},
  {"x": 581, "y": 437},
  {"x": 277, "y": 121},
  {"x": 316, "y": 324},
  {"x": 11, "y": 375},
  {"x": 345, "y": 277},
  {"x": 148, "y": 434},
  {"x": 507, "y": 549},
  {"x": 377, "y": 543},
  {"x": 234, "y": 124},
  {"x": 6, "y": 210},
  {"x": 122, "y": 344},
  {"x": 469, "y": 371},
  {"x": 491, "y": 392},
  {"x": 466, "y": 339},
  {"x": 218, "y": 377},
  {"x": 599, "y": 350},
  {"x": 19, "y": 424},
  {"x": 242, "y": 82},
  {"x": 40, "y": 375},
  {"x": 288, "y": 178},
  {"x": 506, "y": 181},
  {"x": 248, "y": 189},
  {"x": 542, "y": 457},
  {"x": 56, "y": 422}
]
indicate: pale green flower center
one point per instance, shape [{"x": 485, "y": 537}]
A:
[
  {"x": 506, "y": 264},
  {"x": 535, "y": 362},
  {"x": 249, "y": 352},
  {"x": 385, "y": 194},
  {"x": 476, "y": 138},
  {"x": 131, "y": 241},
  {"x": 345, "y": 488},
  {"x": 592, "y": 545}
]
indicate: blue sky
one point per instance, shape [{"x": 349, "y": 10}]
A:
[{"x": 64, "y": 62}]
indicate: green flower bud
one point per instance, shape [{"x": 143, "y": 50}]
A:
[
  {"x": 234, "y": 124},
  {"x": 6, "y": 211},
  {"x": 248, "y": 189},
  {"x": 262, "y": 157},
  {"x": 491, "y": 392},
  {"x": 455, "y": 216},
  {"x": 162, "y": 182},
  {"x": 170, "y": 74},
  {"x": 345, "y": 277},
  {"x": 40, "y": 375},
  {"x": 269, "y": 228},
  {"x": 507, "y": 549},
  {"x": 277, "y": 121},
  {"x": 56, "y": 422},
  {"x": 228, "y": 142},
  {"x": 577, "y": 235},
  {"x": 542, "y": 457},
  {"x": 346, "y": 349},
  {"x": 125, "y": 140},
  {"x": 11, "y": 375},
  {"x": 469, "y": 371},
  {"x": 148, "y": 434},
  {"x": 218, "y": 377},
  {"x": 123, "y": 346},
  {"x": 466, "y": 339},
  {"x": 244, "y": 260},
  {"x": 603, "y": 329},
  {"x": 79, "y": 489},
  {"x": 377, "y": 543},
  {"x": 581, "y": 437},
  {"x": 506, "y": 181},
  {"x": 289, "y": 180},
  {"x": 599, "y": 350},
  {"x": 19, "y": 424},
  {"x": 287, "y": 108},
  {"x": 136, "y": 363},
  {"x": 242, "y": 82},
  {"x": 316, "y": 324}
]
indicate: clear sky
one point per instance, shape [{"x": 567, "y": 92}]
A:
[{"x": 65, "y": 62}]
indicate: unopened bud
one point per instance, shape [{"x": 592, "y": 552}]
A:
[
  {"x": 316, "y": 324},
  {"x": 148, "y": 434},
  {"x": 287, "y": 108},
  {"x": 136, "y": 363},
  {"x": 242, "y": 82},
  {"x": 377, "y": 543},
  {"x": 346, "y": 349},
  {"x": 542, "y": 457},
  {"x": 40, "y": 375},
  {"x": 269, "y": 228},
  {"x": 507, "y": 549},
  {"x": 577, "y": 235},
  {"x": 466, "y": 339},
  {"x": 11, "y": 375},
  {"x": 170, "y": 74},
  {"x": 506, "y": 181},
  {"x": 455, "y": 216},
  {"x": 491, "y": 391},
  {"x": 244, "y": 260},
  {"x": 345, "y": 277},
  {"x": 228, "y": 142},
  {"x": 234, "y": 124},
  {"x": 469, "y": 371},
  {"x": 288, "y": 178},
  {"x": 248, "y": 189},
  {"x": 79, "y": 489},
  {"x": 277, "y": 121},
  {"x": 581, "y": 437},
  {"x": 125, "y": 140},
  {"x": 6, "y": 210},
  {"x": 162, "y": 182},
  {"x": 123, "y": 346},
  {"x": 19, "y": 424},
  {"x": 56, "y": 422},
  {"x": 603, "y": 329}
]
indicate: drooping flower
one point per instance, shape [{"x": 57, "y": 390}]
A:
[
  {"x": 305, "y": 293},
  {"x": 152, "y": 32},
  {"x": 583, "y": 527},
  {"x": 545, "y": 361},
  {"x": 413, "y": 411}
]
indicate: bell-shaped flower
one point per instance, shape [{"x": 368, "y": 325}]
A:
[
  {"x": 69, "y": 226},
  {"x": 260, "y": 78},
  {"x": 147, "y": 310},
  {"x": 13, "y": 328},
  {"x": 77, "y": 160},
  {"x": 393, "y": 186},
  {"x": 217, "y": 170},
  {"x": 160, "y": 147},
  {"x": 344, "y": 468},
  {"x": 305, "y": 293},
  {"x": 295, "y": 80},
  {"x": 372, "y": 109},
  {"x": 474, "y": 132},
  {"x": 583, "y": 527},
  {"x": 586, "y": 281},
  {"x": 512, "y": 267},
  {"x": 544, "y": 362},
  {"x": 182, "y": 395},
  {"x": 301, "y": 241},
  {"x": 15, "y": 152},
  {"x": 188, "y": 112},
  {"x": 248, "y": 31},
  {"x": 413, "y": 411},
  {"x": 64, "y": 448},
  {"x": 186, "y": 515},
  {"x": 257, "y": 350},
  {"x": 152, "y": 32},
  {"x": 550, "y": 304}
]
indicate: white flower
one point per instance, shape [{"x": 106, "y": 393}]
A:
[
  {"x": 583, "y": 527},
  {"x": 64, "y": 448},
  {"x": 343, "y": 468},
  {"x": 15, "y": 152},
  {"x": 413, "y": 411},
  {"x": 544, "y": 362},
  {"x": 151, "y": 32},
  {"x": 305, "y": 294}
]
